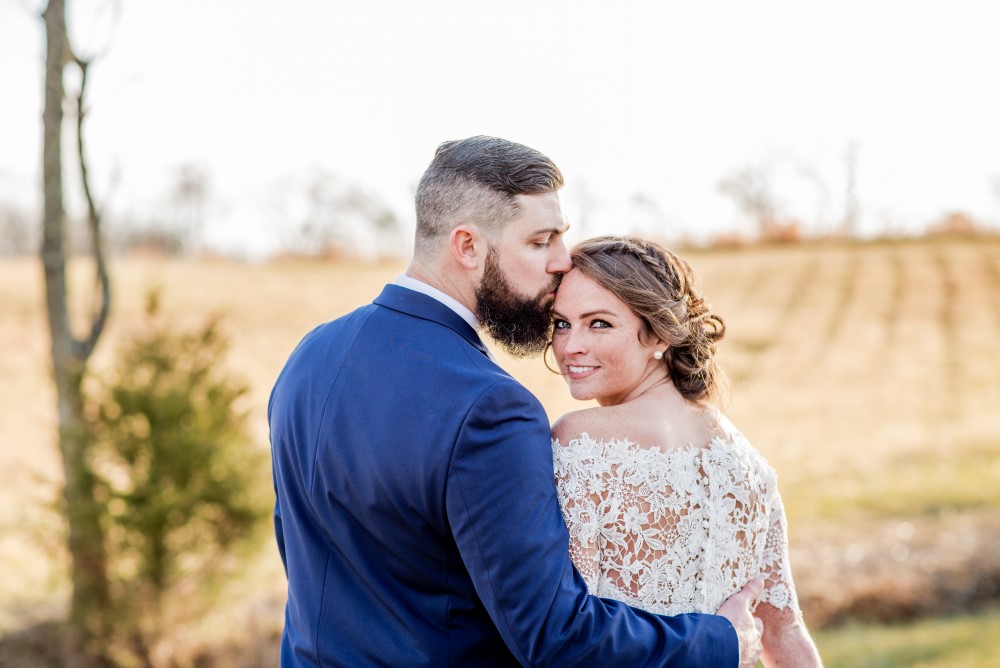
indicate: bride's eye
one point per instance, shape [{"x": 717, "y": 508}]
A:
[
  {"x": 600, "y": 324},
  {"x": 560, "y": 324}
]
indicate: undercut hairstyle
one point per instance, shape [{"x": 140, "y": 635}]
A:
[
  {"x": 659, "y": 287},
  {"x": 476, "y": 180}
]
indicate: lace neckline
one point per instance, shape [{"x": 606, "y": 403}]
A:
[{"x": 728, "y": 436}]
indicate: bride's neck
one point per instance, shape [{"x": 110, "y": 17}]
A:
[{"x": 652, "y": 387}]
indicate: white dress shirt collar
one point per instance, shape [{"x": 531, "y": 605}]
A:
[{"x": 419, "y": 286}]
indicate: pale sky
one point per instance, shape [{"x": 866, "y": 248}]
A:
[{"x": 643, "y": 96}]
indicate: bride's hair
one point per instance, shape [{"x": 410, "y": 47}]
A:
[{"x": 659, "y": 287}]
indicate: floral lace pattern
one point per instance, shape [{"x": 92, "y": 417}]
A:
[{"x": 674, "y": 531}]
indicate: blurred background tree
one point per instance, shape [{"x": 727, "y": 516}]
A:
[
  {"x": 18, "y": 234},
  {"x": 335, "y": 217},
  {"x": 158, "y": 483},
  {"x": 751, "y": 187},
  {"x": 90, "y": 598},
  {"x": 852, "y": 206},
  {"x": 174, "y": 225},
  {"x": 180, "y": 481}
]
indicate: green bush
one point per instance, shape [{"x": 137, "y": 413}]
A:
[{"x": 183, "y": 485}]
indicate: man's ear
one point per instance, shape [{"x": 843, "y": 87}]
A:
[{"x": 467, "y": 245}]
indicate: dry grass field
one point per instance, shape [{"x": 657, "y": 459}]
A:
[{"x": 867, "y": 374}]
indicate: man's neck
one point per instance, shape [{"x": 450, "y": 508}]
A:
[{"x": 440, "y": 281}]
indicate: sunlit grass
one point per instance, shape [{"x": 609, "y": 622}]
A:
[
  {"x": 969, "y": 641},
  {"x": 916, "y": 485},
  {"x": 927, "y": 484}
]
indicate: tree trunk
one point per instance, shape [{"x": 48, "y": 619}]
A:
[{"x": 87, "y": 638}]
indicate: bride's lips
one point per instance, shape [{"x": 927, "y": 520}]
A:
[{"x": 579, "y": 371}]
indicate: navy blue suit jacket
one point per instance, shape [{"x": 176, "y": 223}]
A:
[{"x": 417, "y": 517}]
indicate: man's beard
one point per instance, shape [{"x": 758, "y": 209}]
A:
[{"x": 521, "y": 326}]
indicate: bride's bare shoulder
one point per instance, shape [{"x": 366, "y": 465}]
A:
[
  {"x": 600, "y": 423},
  {"x": 642, "y": 422}
]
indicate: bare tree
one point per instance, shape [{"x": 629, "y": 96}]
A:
[
  {"x": 814, "y": 178},
  {"x": 70, "y": 353},
  {"x": 849, "y": 225},
  {"x": 189, "y": 195},
  {"x": 338, "y": 215},
  {"x": 18, "y": 234},
  {"x": 585, "y": 203},
  {"x": 648, "y": 217},
  {"x": 995, "y": 187},
  {"x": 752, "y": 188}
]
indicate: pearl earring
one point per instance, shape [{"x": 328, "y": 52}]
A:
[{"x": 657, "y": 354}]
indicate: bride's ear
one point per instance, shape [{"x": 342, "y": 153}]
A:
[
  {"x": 467, "y": 246},
  {"x": 648, "y": 339}
]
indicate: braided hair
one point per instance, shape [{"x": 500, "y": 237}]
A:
[{"x": 659, "y": 287}]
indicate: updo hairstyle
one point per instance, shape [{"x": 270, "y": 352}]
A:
[{"x": 658, "y": 286}]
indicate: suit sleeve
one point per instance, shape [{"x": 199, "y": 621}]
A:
[
  {"x": 279, "y": 531},
  {"x": 279, "y": 534},
  {"x": 504, "y": 515}
]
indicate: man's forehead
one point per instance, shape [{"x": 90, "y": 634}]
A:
[
  {"x": 540, "y": 213},
  {"x": 539, "y": 202}
]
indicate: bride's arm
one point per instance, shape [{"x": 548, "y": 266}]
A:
[
  {"x": 786, "y": 639},
  {"x": 580, "y": 511}
]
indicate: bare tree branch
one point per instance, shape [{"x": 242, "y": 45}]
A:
[{"x": 86, "y": 346}]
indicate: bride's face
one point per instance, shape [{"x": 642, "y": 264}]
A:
[{"x": 599, "y": 343}]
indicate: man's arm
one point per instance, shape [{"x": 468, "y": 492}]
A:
[
  {"x": 279, "y": 534},
  {"x": 502, "y": 505},
  {"x": 738, "y": 610}
]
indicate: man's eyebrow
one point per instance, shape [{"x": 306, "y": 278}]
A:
[{"x": 551, "y": 230}]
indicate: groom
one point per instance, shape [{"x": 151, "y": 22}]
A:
[{"x": 416, "y": 512}]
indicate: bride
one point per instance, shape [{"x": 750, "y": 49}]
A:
[{"x": 669, "y": 507}]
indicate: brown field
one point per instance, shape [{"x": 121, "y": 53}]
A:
[{"x": 868, "y": 375}]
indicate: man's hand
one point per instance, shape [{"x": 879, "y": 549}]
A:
[{"x": 738, "y": 609}]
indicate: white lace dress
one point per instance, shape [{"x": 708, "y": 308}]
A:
[{"x": 674, "y": 531}]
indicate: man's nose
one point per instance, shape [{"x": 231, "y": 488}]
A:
[{"x": 559, "y": 260}]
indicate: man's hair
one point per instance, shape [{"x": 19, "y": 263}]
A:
[{"x": 476, "y": 180}]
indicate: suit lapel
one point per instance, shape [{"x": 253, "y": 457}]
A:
[{"x": 420, "y": 305}]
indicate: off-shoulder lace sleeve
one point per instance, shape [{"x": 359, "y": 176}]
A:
[
  {"x": 581, "y": 502},
  {"x": 779, "y": 589},
  {"x": 673, "y": 531}
]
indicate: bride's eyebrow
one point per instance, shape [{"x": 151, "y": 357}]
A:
[{"x": 589, "y": 314}]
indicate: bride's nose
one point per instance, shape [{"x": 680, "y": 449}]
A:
[{"x": 574, "y": 343}]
